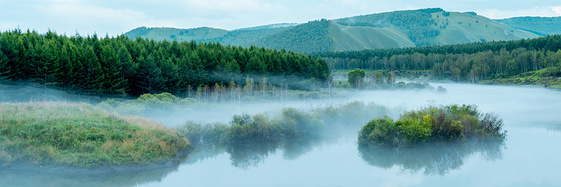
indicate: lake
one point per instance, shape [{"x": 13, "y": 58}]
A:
[{"x": 530, "y": 156}]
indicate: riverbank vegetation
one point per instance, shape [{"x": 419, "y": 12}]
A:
[
  {"x": 475, "y": 62},
  {"x": 380, "y": 80},
  {"x": 250, "y": 139},
  {"x": 80, "y": 135},
  {"x": 432, "y": 124},
  {"x": 123, "y": 66},
  {"x": 289, "y": 124}
]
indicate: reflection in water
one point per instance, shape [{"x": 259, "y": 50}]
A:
[
  {"x": 247, "y": 155},
  {"x": 25, "y": 177},
  {"x": 435, "y": 158},
  {"x": 250, "y": 155}
]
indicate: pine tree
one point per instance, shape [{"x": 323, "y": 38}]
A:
[
  {"x": 94, "y": 76},
  {"x": 127, "y": 67},
  {"x": 5, "y": 69},
  {"x": 112, "y": 67},
  {"x": 149, "y": 76}
]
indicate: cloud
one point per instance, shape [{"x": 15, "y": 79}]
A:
[
  {"x": 76, "y": 15},
  {"x": 556, "y": 9}
]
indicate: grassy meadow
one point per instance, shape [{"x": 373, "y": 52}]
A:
[{"x": 80, "y": 135}]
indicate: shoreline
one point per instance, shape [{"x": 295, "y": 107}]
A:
[{"x": 98, "y": 169}]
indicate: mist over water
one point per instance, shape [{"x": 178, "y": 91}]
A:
[{"x": 529, "y": 156}]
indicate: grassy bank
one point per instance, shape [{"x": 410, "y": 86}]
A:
[{"x": 80, "y": 135}]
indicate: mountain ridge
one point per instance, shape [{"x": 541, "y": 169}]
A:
[{"x": 404, "y": 28}]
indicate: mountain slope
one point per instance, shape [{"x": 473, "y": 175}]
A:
[
  {"x": 467, "y": 28},
  {"x": 407, "y": 28},
  {"x": 394, "y": 29},
  {"x": 312, "y": 36},
  {"x": 165, "y": 33},
  {"x": 540, "y": 25},
  {"x": 250, "y": 36}
]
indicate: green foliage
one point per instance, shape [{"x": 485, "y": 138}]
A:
[
  {"x": 445, "y": 123},
  {"x": 121, "y": 66},
  {"x": 356, "y": 77},
  {"x": 489, "y": 62},
  {"x": 382, "y": 131},
  {"x": 413, "y": 130},
  {"x": 289, "y": 125},
  {"x": 82, "y": 136}
]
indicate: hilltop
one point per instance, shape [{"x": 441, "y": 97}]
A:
[{"x": 408, "y": 28}]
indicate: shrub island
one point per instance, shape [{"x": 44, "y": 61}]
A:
[
  {"x": 80, "y": 135},
  {"x": 289, "y": 124},
  {"x": 432, "y": 124}
]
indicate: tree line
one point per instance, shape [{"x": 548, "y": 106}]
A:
[
  {"x": 460, "y": 62},
  {"x": 123, "y": 66}
]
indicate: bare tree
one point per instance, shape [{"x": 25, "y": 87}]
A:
[{"x": 329, "y": 83}]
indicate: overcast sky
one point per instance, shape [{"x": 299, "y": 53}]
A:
[{"x": 114, "y": 17}]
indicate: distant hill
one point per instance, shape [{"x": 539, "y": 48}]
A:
[
  {"x": 408, "y": 28},
  {"x": 542, "y": 26},
  {"x": 165, "y": 33}
]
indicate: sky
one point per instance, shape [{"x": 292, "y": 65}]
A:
[{"x": 115, "y": 17}]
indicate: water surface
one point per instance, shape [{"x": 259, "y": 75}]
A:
[{"x": 528, "y": 157}]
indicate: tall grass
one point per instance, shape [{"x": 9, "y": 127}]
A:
[{"x": 81, "y": 135}]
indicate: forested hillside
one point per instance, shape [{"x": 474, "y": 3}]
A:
[
  {"x": 250, "y": 36},
  {"x": 312, "y": 36},
  {"x": 132, "y": 67},
  {"x": 461, "y": 62},
  {"x": 407, "y": 28},
  {"x": 540, "y": 25},
  {"x": 169, "y": 34},
  {"x": 244, "y": 37}
]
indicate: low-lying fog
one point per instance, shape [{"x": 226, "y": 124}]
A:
[
  {"x": 529, "y": 156},
  {"x": 513, "y": 104}
]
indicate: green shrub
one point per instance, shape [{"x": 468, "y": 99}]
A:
[
  {"x": 413, "y": 130},
  {"x": 444, "y": 123},
  {"x": 382, "y": 131},
  {"x": 289, "y": 124}
]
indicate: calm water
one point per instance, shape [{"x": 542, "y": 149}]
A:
[{"x": 531, "y": 155}]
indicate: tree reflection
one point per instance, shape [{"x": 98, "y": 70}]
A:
[
  {"x": 247, "y": 155},
  {"x": 435, "y": 158}
]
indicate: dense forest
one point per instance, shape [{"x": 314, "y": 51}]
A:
[
  {"x": 460, "y": 62},
  {"x": 123, "y": 66}
]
